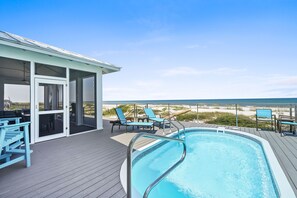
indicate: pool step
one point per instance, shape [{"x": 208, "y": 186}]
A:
[{"x": 221, "y": 129}]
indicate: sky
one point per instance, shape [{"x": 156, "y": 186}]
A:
[{"x": 172, "y": 49}]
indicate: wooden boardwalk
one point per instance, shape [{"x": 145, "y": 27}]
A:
[{"x": 88, "y": 165}]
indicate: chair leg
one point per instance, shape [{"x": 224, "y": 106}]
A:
[
  {"x": 7, "y": 159},
  {"x": 112, "y": 128}
]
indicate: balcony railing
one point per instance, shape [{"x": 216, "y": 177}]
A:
[{"x": 290, "y": 103}]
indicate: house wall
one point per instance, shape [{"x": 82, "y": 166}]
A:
[{"x": 35, "y": 57}]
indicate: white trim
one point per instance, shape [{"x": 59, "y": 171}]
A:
[
  {"x": 50, "y": 137},
  {"x": 50, "y": 80},
  {"x": 50, "y": 77},
  {"x": 32, "y": 101},
  {"x": 50, "y": 112},
  {"x": 67, "y": 113},
  {"x": 112, "y": 68},
  {"x": 80, "y": 133},
  {"x": 98, "y": 98}
]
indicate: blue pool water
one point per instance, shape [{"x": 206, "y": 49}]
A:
[{"x": 216, "y": 165}]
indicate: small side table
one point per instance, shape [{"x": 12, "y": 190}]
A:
[{"x": 142, "y": 119}]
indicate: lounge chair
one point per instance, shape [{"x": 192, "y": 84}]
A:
[
  {"x": 286, "y": 120},
  {"x": 151, "y": 116},
  {"x": 14, "y": 143},
  {"x": 123, "y": 121},
  {"x": 266, "y": 116}
]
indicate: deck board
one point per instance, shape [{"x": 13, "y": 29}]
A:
[{"x": 88, "y": 165}]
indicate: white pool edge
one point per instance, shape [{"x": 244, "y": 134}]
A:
[{"x": 284, "y": 187}]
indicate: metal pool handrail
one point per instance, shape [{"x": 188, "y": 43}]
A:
[
  {"x": 178, "y": 129},
  {"x": 129, "y": 161}
]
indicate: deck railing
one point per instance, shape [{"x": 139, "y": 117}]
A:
[{"x": 290, "y": 103}]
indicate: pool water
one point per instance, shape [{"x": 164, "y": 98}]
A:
[{"x": 216, "y": 165}]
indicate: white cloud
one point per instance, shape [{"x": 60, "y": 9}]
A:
[{"x": 284, "y": 81}]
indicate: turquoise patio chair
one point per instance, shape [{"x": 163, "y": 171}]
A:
[
  {"x": 123, "y": 121},
  {"x": 151, "y": 116},
  {"x": 15, "y": 120},
  {"x": 265, "y": 115},
  {"x": 14, "y": 143}
]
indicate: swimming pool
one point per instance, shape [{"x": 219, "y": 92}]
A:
[{"x": 230, "y": 164}]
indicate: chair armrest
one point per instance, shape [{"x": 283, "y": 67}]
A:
[{"x": 13, "y": 126}]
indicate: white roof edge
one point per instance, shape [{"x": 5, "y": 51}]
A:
[{"x": 50, "y": 50}]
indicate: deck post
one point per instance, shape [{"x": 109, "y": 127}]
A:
[
  {"x": 236, "y": 115},
  {"x": 134, "y": 113},
  {"x": 197, "y": 114},
  {"x": 295, "y": 110},
  {"x": 291, "y": 116},
  {"x": 169, "y": 111}
]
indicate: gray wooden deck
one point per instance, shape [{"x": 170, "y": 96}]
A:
[{"x": 88, "y": 165}]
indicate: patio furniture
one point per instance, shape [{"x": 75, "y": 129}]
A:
[
  {"x": 265, "y": 115},
  {"x": 118, "y": 123},
  {"x": 286, "y": 120},
  {"x": 15, "y": 120},
  {"x": 14, "y": 143},
  {"x": 287, "y": 123},
  {"x": 151, "y": 116},
  {"x": 124, "y": 122}
]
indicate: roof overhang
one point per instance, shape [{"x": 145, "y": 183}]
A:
[{"x": 34, "y": 46}]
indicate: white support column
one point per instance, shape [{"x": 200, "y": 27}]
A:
[
  {"x": 1, "y": 95},
  {"x": 99, "y": 99},
  {"x": 33, "y": 116},
  {"x": 67, "y": 115}
]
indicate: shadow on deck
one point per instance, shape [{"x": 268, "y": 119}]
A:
[{"x": 88, "y": 165}]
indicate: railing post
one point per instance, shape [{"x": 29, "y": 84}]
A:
[
  {"x": 291, "y": 116},
  {"x": 134, "y": 113},
  {"x": 236, "y": 115},
  {"x": 169, "y": 118},
  {"x": 197, "y": 114},
  {"x": 295, "y": 109}
]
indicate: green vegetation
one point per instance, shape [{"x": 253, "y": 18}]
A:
[
  {"x": 229, "y": 119},
  {"x": 19, "y": 106},
  {"x": 219, "y": 118},
  {"x": 89, "y": 108},
  {"x": 178, "y": 108}
]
